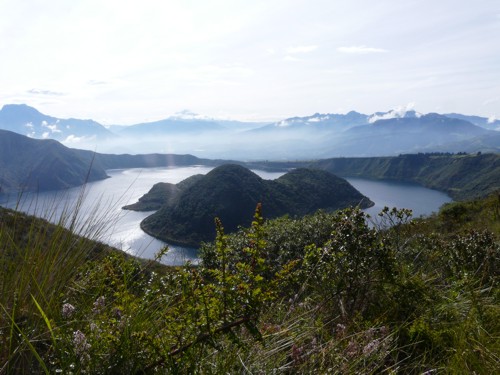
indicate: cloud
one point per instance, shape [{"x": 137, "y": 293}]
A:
[
  {"x": 94, "y": 82},
  {"x": 45, "y": 92},
  {"x": 360, "y": 50},
  {"x": 301, "y": 49},
  {"x": 52, "y": 128},
  {"x": 491, "y": 119},
  {"x": 290, "y": 58},
  {"x": 398, "y": 112},
  {"x": 71, "y": 139}
]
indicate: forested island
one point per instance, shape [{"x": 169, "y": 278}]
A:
[{"x": 186, "y": 211}]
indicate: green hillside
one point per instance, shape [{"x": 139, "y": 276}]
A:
[{"x": 35, "y": 165}]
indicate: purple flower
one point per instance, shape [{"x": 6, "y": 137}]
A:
[
  {"x": 80, "y": 343},
  {"x": 67, "y": 310},
  {"x": 371, "y": 347},
  {"x": 99, "y": 304}
]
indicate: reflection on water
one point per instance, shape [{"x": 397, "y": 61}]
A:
[
  {"x": 420, "y": 200},
  {"x": 97, "y": 206}
]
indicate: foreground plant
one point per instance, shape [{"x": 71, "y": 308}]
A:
[{"x": 327, "y": 293}]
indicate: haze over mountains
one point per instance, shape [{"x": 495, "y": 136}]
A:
[{"x": 315, "y": 136}]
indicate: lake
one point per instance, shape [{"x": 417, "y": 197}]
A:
[{"x": 99, "y": 203}]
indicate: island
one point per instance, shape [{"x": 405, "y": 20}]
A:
[{"x": 186, "y": 211}]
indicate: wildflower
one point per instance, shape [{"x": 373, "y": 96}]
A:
[
  {"x": 297, "y": 353},
  {"x": 94, "y": 328},
  {"x": 371, "y": 347},
  {"x": 384, "y": 331},
  {"x": 352, "y": 349},
  {"x": 81, "y": 345},
  {"x": 117, "y": 313},
  {"x": 340, "y": 330},
  {"x": 67, "y": 310},
  {"x": 99, "y": 304}
]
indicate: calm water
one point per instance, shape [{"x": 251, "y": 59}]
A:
[
  {"x": 421, "y": 200},
  {"x": 102, "y": 202}
]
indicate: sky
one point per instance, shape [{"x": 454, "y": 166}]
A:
[{"x": 127, "y": 61}]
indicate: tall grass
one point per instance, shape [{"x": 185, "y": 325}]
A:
[{"x": 38, "y": 263}]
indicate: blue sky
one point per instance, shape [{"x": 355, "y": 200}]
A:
[{"x": 123, "y": 62}]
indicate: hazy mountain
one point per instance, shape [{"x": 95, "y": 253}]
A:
[
  {"x": 484, "y": 122},
  {"x": 404, "y": 135},
  {"x": 35, "y": 165},
  {"x": 231, "y": 192},
  {"x": 317, "y": 122},
  {"x": 171, "y": 126},
  {"x": 28, "y": 121},
  {"x": 316, "y": 136}
]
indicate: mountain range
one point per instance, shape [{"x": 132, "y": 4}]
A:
[
  {"x": 28, "y": 164},
  {"x": 316, "y": 136}
]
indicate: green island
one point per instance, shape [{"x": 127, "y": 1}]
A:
[{"x": 231, "y": 192}]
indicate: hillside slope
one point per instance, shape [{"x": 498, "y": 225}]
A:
[{"x": 36, "y": 165}]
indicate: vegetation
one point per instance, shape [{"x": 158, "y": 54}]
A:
[
  {"x": 327, "y": 293},
  {"x": 231, "y": 193}
]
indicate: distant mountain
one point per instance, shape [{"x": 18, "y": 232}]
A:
[
  {"x": 355, "y": 134},
  {"x": 321, "y": 135},
  {"x": 393, "y": 114},
  {"x": 172, "y": 126},
  {"x": 28, "y": 164},
  {"x": 317, "y": 122},
  {"x": 404, "y": 135},
  {"x": 26, "y": 120},
  {"x": 487, "y": 123},
  {"x": 231, "y": 192}
]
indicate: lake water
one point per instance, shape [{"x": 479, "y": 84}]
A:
[{"x": 99, "y": 203}]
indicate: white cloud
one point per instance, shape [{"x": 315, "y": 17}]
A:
[
  {"x": 72, "y": 139},
  {"x": 45, "y": 92},
  {"x": 360, "y": 50},
  {"x": 301, "y": 49},
  {"x": 290, "y": 58},
  {"x": 283, "y": 124},
  {"x": 398, "y": 112},
  {"x": 52, "y": 128},
  {"x": 186, "y": 114},
  {"x": 491, "y": 119},
  {"x": 45, "y": 135}
]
